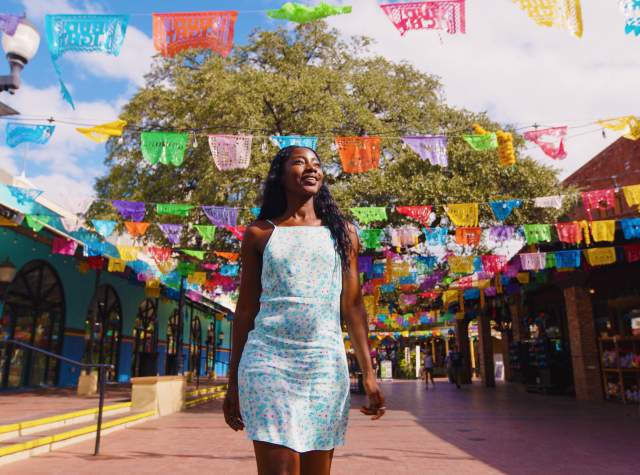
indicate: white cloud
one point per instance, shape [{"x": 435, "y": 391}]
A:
[
  {"x": 37, "y": 9},
  {"x": 519, "y": 72}
]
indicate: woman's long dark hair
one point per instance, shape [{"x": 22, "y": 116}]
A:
[{"x": 274, "y": 204}]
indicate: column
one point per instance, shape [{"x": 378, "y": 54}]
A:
[
  {"x": 517, "y": 315},
  {"x": 585, "y": 360},
  {"x": 485, "y": 350},
  {"x": 462, "y": 340},
  {"x": 506, "y": 361}
]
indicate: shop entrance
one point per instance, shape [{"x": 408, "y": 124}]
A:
[
  {"x": 33, "y": 313},
  {"x": 103, "y": 343},
  {"x": 211, "y": 347},
  {"x": 195, "y": 349},
  {"x": 145, "y": 350}
]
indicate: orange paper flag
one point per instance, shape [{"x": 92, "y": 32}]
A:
[
  {"x": 230, "y": 256},
  {"x": 136, "y": 230},
  {"x": 358, "y": 154}
]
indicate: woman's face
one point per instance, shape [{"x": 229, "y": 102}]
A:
[{"x": 302, "y": 172}]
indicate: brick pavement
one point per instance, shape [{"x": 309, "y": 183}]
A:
[{"x": 446, "y": 431}]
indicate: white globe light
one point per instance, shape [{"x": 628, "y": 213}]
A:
[{"x": 24, "y": 42}]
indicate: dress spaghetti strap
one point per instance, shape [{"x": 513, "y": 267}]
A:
[{"x": 271, "y": 223}]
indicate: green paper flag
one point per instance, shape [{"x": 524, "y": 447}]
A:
[
  {"x": 535, "y": 233},
  {"x": 369, "y": 214},
  {"x": 207, "y": 231},
  {"x": 193, "y": 253},
  {"x": 371, "y": 238},
  {"x": 299, "y": 13},
  {"x": 186, "y": 268},
  {"x": 173, "y": 209},
  {"x": 37, "y": 221},
  {"x": 164, "y": 147},
  {"x": 482, "y": 142}
]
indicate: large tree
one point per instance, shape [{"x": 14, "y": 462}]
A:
[{"x": 309, "y": 81}]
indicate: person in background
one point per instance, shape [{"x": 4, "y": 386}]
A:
[
  {"x": 428, "y": 369},
  {"x": 455, "y": 358}
]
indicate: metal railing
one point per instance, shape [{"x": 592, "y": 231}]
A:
[{"x": 102, "y": 368}]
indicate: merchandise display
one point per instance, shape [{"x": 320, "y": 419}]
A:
[{"x": 620, "y": 357}]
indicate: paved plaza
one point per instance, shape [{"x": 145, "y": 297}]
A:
[{"x": 443, "y": 431}]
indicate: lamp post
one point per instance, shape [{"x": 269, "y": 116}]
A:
[{"x": 20, "y": 48}]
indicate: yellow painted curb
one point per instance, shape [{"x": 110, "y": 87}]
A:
[
  {"x": 32, "y": 444},
  {"x": 60, "y": 417},
  {"x": 211, "y": 397},
  {"x": 202, "y": 392}
]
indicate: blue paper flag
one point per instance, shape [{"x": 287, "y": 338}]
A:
[
  {"x": 300, "y": 140},
  {"x": 255, "y": 212},
  {"x": 436, "y": 236},
  {"x": 378, "y": 269},
  {"x": 230, "y": 270},
  {"x": 502, "y": 209},
  {"x": 471, "y": 294},
  {"x": 103, "y": 227},
  {"x": 568, "y": 259},
  {"x": 33, "y": 133},
  {"x": 84, "y": 34},
  {"x": 631, "y": 228}
]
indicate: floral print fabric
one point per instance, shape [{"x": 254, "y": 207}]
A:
[{"x": 293, "y": 379}]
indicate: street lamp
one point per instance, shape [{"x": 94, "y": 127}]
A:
[{"x": 20, "y": 48}]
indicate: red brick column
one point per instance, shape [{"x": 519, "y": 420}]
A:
[
  {"x": 506, "y": 361},
  {"x": 517, "y": 315},
  {"x": 587, "y": 375},
  {"x": 462, "y": 340},
  {"x": 485, "y": 348}
]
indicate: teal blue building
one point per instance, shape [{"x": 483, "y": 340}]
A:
[{"x": 53, "y": 301}]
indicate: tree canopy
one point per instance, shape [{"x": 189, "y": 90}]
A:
[{"x": 310, "y": 81}]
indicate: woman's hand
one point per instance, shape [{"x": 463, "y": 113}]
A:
[
  {"x": 376, "y": 407},
  {"x": 231, "y": 408}
]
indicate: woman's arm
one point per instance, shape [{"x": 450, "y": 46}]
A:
[
  {"x": 355, "y": 316},
  {"x": 246, "y": 310}
]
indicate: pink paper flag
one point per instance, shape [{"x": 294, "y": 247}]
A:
[
  {"x": 64, "y": 246},
  {"x": 446, "y": 15},
  {"x": 550, "y": 140}
]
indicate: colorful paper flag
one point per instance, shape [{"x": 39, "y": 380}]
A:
[
  {"x": 136, "y": 230},
  {"x": 565, "y": 14},
  {"x": 480, "y": 143},
  {"x": 173, "y": 209},
  {"x": 631, "y": 11},
  {"x": 629, "y": 126},
  {"x": 9, "y": 23},
  {"x": 230, "y": 152},
  {"x": 358, "y": 154},
  {"x": 283, "y": 141},
  {"x": 64, "y": 246},
  {"x": 102, "y": 133},
  {"x": 369, "y": 214},
  {"x": 173, "y": 232},
  {"x": 420, "y": 214},
  {"x": 104, "y": 227},
  {"x": 502, "y": 209},
  {"x": 130, "y": 210},
  {"x": 16, "y": 133},
  {"x": 599, "y": 200},
  {"x": 447, "y": 15},
  {"x": 206, "y": 231},
  {"x": 165, "y": 147},
  {"x": 429, "y": 147},
  {"x": 221, "y": 215},
  {"x": 463, "y": 214},
  {"x": 550, "y": 140},
  {"x": 600, "y": 256},
  {"x": 299, "y": 13}
]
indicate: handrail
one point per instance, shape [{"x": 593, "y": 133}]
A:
[{"x": 102, "y": 367}]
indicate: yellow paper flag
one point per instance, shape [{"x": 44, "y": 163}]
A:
[
  {"x": 464, "y": 214},
  {"x": 198, "y": 278},
  {"x": 629, "y": 125},
  {"x": 603, "y": 230},
  {"x": 566, "y": 14},
  {"x": 101, "y": 133},
  {"x": 632, "y": 194},
  {"x": 461, "y": 264},
  {"x": 116, "y": 265},
  {"x": 600, "y": 256}
]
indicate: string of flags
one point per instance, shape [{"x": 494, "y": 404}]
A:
[{"x": 214, "y": 30}]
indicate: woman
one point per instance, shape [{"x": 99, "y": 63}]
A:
[{"x": 288, "y": 376}]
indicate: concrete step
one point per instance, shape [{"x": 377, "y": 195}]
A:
[
  {"x": 200, "y": 396},
  {"x": 11, "y": 431},
  {"x": 53, "y": 438}
]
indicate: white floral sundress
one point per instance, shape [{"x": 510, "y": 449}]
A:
[{"x": 293, "y": 379}]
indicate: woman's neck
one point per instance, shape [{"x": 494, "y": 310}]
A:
[{"x": 300, "y": 210}]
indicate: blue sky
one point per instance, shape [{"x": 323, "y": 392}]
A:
[{"x": 517, "y": 71}]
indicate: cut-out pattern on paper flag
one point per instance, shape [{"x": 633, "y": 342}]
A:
[
  {"x": 64, "y": 246},
  {"x": 598, "y": 200},
  {"x": 463, "y": 214},
  {"x": 230, "y": 256},
  {"x": 550, "y": 141},
  {"x": 568, "y": 259},
  {"x": 116, "y": 265},
  {"x": 173, "y": 209},
  {"x": 549, "y": 201},
  {"x": 371, "y": 238},
  {"x": 603, "y": 230},
  {"x": 9, "y": 23},
  {"x": 160, "y": 254},
  {"x": 230, "y": 270},
  {"x": 404, "y": 236},
  {"x": 230, "y": 152},
  {"x": 501, "y": 233},
  {"x": 632, "y": 195},
  {"x": 533, "y": 261},
  {"x": 283, "y": 141},
  {"x": 369, "y": 214},
  {"x": 174, "y": 32},
  {"x": 221, "y": 215},
  {"x": 83, "y": 34},
  {"x": 299, "y": 13},
  {"x": 420, "y": 214},
  {"x": 565, "y": 14},
  {"x": 17, "y": 134},
  {"x": 255, "y": 212},
  {"x": 493, "y": 263},
  {"x": 632, "y": 252},
  {"x": 435, "y": 236},
  {"x": 628, "y": 125},
  {"x": 358, "y": 154},
  {"x": 24, "y": 196},
  {"x": 173, "y": 232},
  {"x": 631, "y": 11},
  {"x": 130, "y": 210},
  {"x": 535, "y": 233},
  {"x": 442, "y": 15},
  {"x": 104, "y": 227},
  {"x": 128, "y": 253},
  {"x": 572, "y": 233},
  {"x": 461, "y": 264},
  {"x": 237, "y": 231},
  {"x": 197, "y": 278},
  {"x": 194, "y": 253},
  {"x": 429, "y": 147},
  {"x": 630, "y": 228},
  {"x": 502, "y": 209},
  {"x": 165, "y": 147},
  {"x": 600, "y": 256},
  {"x": 466, "y": 236},
  {"x": 480, "y": 143},
  {"x": 136, "y": 229},
  {"x": 102, "y": 133},
  {"x": 206, "y": 231}
]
